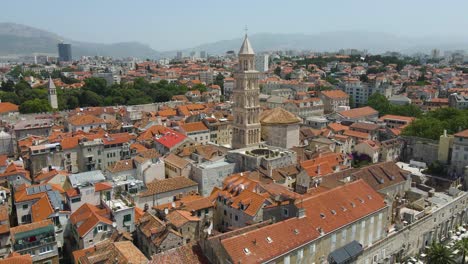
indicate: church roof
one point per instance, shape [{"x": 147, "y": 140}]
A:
[
  {"x": 246, "y": 48},
  {"x": 278, "y": 116}
]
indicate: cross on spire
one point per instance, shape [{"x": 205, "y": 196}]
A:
[{"x": 246, "y": 29}]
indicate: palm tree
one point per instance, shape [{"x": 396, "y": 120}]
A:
[
  {"x": 439, "y": 254},
  {"x": 462, "y": 246}
]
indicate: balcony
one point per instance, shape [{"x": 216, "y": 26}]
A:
[
  {"x": 27, "y": 245},
  {"x": 90, "y": 162}
]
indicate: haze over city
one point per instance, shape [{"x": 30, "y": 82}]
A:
[{"x": 170, "y": 25}]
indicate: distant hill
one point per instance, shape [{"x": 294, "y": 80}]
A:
[
  {"x": 16, "y": 39},
  {"x": 375, "y": 42}
]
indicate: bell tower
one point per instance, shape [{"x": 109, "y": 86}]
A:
[
  {"x": 52, "y": 94},
  {"x": 246, "y": 108}
]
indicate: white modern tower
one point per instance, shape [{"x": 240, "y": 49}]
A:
[{"x": 246, "y": 108}]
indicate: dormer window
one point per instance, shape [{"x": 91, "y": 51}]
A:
[
  {"x": 269, "y": 240},
  {"x": 246, "y": 251},
  {"x": 322, "y": 215},
  {"x": 296, "y": 231},
  {"x": 333, "y": 212}
]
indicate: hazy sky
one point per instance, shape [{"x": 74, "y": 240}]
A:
[{"x": 175, "y": 24}]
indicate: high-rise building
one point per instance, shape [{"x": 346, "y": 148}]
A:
[
  {"x": 261, "y": 62},
  {"x": 435, "y": 54},
  {"x": 64, "y": 52},
  {"x": 203, "y": 54},
  {"x": 52, "y": 94},
  {"x": 179, "y": 55},
  {"x": 246, "y": 108}
]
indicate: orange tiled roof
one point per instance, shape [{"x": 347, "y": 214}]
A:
[
  {"x": 166, "y": 185},
  {"x": 358, "y": 198},
  {"x": 397, "y": 117},
  {"x": 90, "y": 216},
  {"x": 359, "y": 112},
  {"x": 463, "y": 134},
  {"x": 78, "y": 120},
  {"x": 6, "y": 107},
  {"x": 180, "y": 217},
  {"x": 16, "y": 258},
  {"x": 195, "y": 126},
  {"x": 335, "y": 94}
]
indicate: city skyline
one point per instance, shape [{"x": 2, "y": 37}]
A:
[{"x": 192, "y": 24}]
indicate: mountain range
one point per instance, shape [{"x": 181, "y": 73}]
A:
[{"x": 16, "y": 39}]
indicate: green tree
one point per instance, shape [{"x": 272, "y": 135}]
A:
[
  {"x": 96, "y": 85},
  {"x": 278, "y": 70},
  {"x": 8, "y": 86},
  {"x": 200, "y": 87},
  {"x": 90, "y": 98},
  {"x": 380, "y": 103},
  {"x": 364, "y": 78},
  {"x": 35, "y": 106},
  {"x": 462, "y": 246},
  {"x": 439, "y": 254},
  {"x": 426, "y": 128},
  {"x": 10, "y": 97},
  {"x": 22, "y": 89},
  {"x": 219, "y": 80}
]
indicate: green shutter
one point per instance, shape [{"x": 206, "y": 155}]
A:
[{"x": 95, "y": 230}]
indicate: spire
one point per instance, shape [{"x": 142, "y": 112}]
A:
[
  {"x": 246, "y": 48},
  {"x": 51, "y": 84}
]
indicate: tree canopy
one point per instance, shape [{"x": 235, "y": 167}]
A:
[
  {"x": 380, "y": 103},
  {"x": 433, "y": 123}
]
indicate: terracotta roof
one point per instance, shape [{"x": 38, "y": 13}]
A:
[
  {"x": 153, "y": 131},
  {"x": 167, "y": 185},
  {"x": 149, "y": 224},
  {"x": 193, "y": 127},
  {"x": 359, "y": 112},
  {"x": 121, "y": 165},
  {"x": 6, "y": 107},
  {"x": 251, "y": 202},
  {"x": 176, "y": 161},
  {"x": 278, "y": 116},
  {"x": 397, "y": 117},
  {"x": 186, "y": 254},
  {"x": 382, "y": 175},
  {"x": 89, "y": 216},
  {"x": 129, "y": 252},
  {"x": 17, "y": 259},
  {"x": 101, "y": 186},
  {"x": 180, "y": 217},
  {"x": 41, "y": 209},
  {"x": 356, "y": 134},
  {"x": 77, "y": 254},
  {"x": 335, "y": 94},
  {"x": 463, "y": 134},
  {"x": 337, "y": 127},
  {"x": 365, "y": 126},
  {"x": 16, "y": 170},
  {"x": 295, "y": 232},
  {"x": 79, "y": 120}
]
